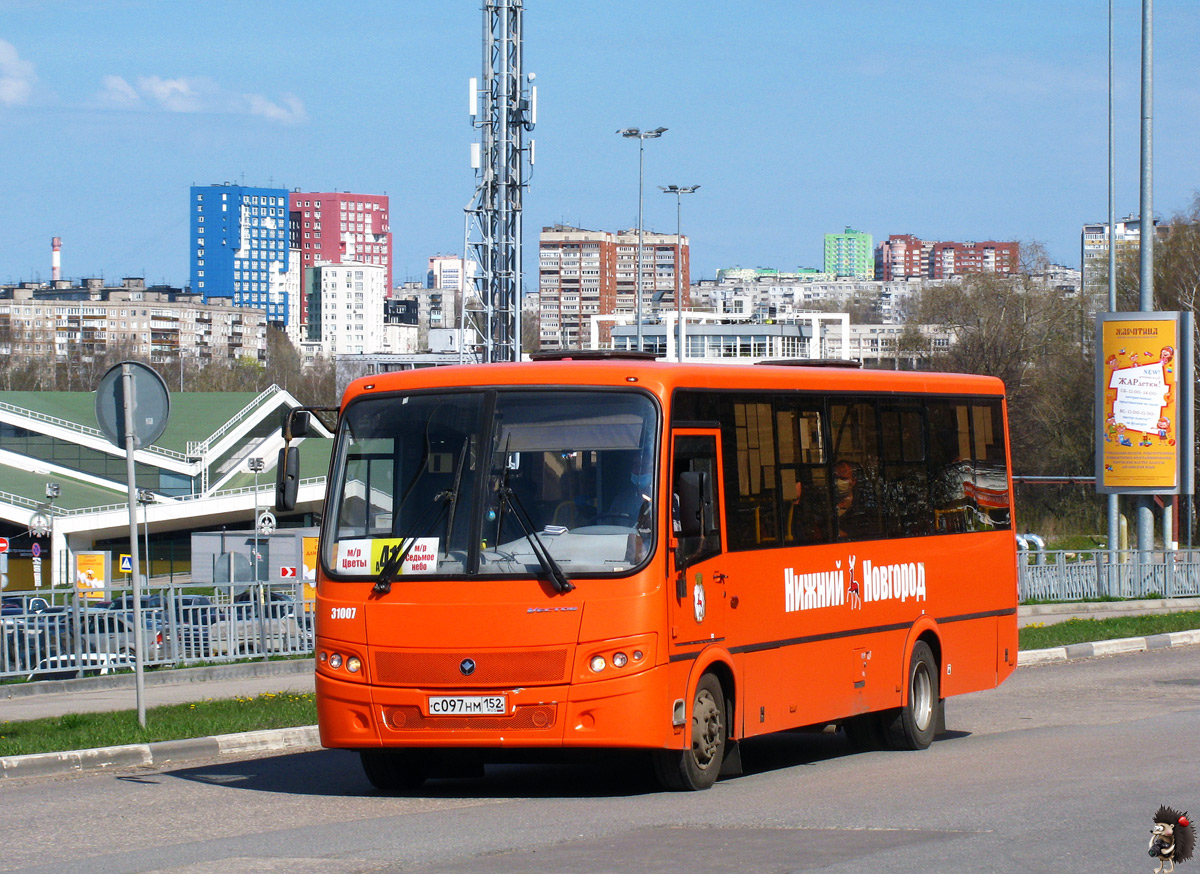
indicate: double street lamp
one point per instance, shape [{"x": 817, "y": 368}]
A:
[
  {"x": 678, "y": 191},
  {"x": 641, "y": 136}
]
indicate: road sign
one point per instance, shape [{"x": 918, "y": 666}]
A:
[
  {"x": 36, "y": 549},
  {"x": 39, "y": 525},
  {"x": 149, "y": 398},
  {"x": 126, "y": 564},
  {"x": 287, "y": 573},
  {"x": 266, "y": 522},
  {"x": 3, "y": 544}
]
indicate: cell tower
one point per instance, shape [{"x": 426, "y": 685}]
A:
[{"x": 491, "y": 315}]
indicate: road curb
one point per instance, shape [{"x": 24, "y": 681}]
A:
[
  {"x": 1107, "y": 647},
  {"x": 160, "y": 753}
]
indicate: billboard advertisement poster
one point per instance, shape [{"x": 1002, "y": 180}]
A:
[
  {"x": 1143, "y": 428},
  {"x": 91, "y": 574},
  {"x": 309, "y": 564}
]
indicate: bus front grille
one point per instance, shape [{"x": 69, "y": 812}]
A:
[
  {"x": 408, "y": 718},
  {"x": 471, "y": 669}
]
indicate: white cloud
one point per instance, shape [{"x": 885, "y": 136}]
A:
[
  {"x": 196, "y": 95},
  {"x": 118, "y": 91},
  {"x": 291, "y": 112},
  {"x": 16, "y": 76}
]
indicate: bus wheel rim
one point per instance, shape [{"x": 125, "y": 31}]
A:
[
  {"x": 706, "y": 729},
  {"x": 922, "y": 697}
]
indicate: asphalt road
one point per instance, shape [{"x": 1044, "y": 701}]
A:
[{"x": 1059, "y": 770}]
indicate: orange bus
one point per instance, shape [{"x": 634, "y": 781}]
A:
[{"x": 607, "y": 551}]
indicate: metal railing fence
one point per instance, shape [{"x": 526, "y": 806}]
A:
[
  {"x": 55, "y": 633},
  {"x": 1077, "y": 575}
]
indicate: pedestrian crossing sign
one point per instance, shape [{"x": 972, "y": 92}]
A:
[{"x": 126, "y": 564}]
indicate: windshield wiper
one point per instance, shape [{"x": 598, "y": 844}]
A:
[
  {"x": 390, "y": 571},
  {"x": 558, "y": 579}
]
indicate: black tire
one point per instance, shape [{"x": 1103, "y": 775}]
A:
[
  {"x": 913, "y": 726},
  {"x": 697, "y": 767},
  {"x": 394, "y": 770},
  {"x": 866, "y": 732}
]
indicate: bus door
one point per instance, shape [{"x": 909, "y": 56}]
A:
[{"x": 698, "y": 572}]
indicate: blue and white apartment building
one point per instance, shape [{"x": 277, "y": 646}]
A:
[{"x": 239, "y": 248}]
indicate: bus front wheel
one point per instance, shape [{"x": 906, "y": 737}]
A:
[
  {"x": 912, "y": 727},
  {"x": 697, "y": 766},
  {"x": 394, "y": 770}
]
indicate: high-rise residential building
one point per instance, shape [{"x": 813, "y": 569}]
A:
[
  {"x": 239, "y": 247},
  {"x": 584, "y": 273},
  {"x": 905, "y": 256},
  {"x": 338, "y": 227},
  {"x": 346, "y": 304},
  {"x": 1127, "y": 238},
  {"x": 957, "y": 259},
  {"x": 446, "y": 271},
  {"x": 850, "y": 254}
]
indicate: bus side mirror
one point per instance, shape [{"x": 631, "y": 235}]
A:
[
  {"x": 287, "y": 478},
  {"x": 296, "y": 424},
  {"x": 694, "y": 494}
]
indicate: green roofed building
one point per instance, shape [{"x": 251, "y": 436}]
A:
[
  {"x": 56, "y": 465},
  {"x": 850, "y": 254}
]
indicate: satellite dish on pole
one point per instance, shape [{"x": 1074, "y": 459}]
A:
[{"x": 150, "y": 401}]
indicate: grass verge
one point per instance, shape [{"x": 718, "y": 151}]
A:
[
  {"x": 80, "y": 731},
  {"x": 1089, "y": 630}
]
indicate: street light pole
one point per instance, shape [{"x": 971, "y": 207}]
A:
[
  {"x": 641, "y": 136},
  {"x": 678, "y": 191},
  {"x": 256, "y": 465}
]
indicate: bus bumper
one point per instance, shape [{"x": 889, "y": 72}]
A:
[{"x": 630, "y": 711}]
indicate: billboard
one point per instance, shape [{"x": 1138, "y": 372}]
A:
[
  {"x": 1143, "y": 403},
  {"x": 91, "y": 574}
]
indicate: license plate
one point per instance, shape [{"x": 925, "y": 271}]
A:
[{"x": 468, "y": 705}]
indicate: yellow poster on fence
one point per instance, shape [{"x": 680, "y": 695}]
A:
[
  {"x": 91, "y": 574},
  {"x": 309, "y": 565},
  {"x": 1140, "y": 433}
]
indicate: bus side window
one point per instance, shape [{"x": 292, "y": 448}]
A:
[
  {"x": 906, "y": 510},
  {"x": 697, "y": 454},
  {"x": 858, "y": 474},
  {"x": 803, "y": 475}
]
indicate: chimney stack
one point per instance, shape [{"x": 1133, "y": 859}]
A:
[{"x": 55, "y": 262}]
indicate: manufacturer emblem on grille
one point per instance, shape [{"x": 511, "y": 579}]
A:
[{"x": 467, "y": 667}]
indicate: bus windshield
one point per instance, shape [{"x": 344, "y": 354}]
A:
[{"x": 478, "y": 482}]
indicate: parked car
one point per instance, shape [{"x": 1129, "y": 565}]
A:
[
  {"x": 113, "y": 632},
  {"x": 241, "y": 628},
  {"x": 14, "y": 604},
  {"x": 66, "y": 667}
]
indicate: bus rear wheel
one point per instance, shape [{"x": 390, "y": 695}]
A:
[
  {"x": 697, "y": 766},
  {"x": 394, "y": 770},
  {"x": 913, "y": 726}
]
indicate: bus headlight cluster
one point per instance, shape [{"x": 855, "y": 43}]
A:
[
  {"x": 335, "y": 661},
  {"x": 618, "y": 659}
]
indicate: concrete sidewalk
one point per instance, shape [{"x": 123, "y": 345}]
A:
[{"x": 93, "y": 694}]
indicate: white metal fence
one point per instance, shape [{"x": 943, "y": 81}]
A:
[
  {"x": 1064, "y": 575},
  {"x": 53, "y": 633}
]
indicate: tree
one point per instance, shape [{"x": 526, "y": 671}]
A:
[{"x": 1025, "y": 333}]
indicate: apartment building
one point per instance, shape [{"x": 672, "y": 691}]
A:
[
  {"x": 906, "y": 256},
  {"x": 582, "y": 273},
  {"x": 850, "y": 254},
  {"x": 239, "y": 247},
  {"x": 337, "y": 227},
  {"x": 86, "y": 321}
]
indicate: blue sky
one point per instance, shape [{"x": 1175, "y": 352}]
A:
[{"x": 950, "y": 120}]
